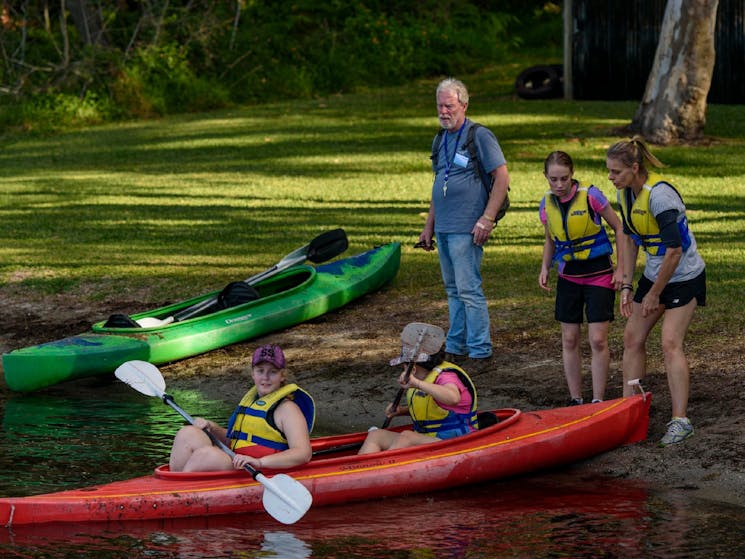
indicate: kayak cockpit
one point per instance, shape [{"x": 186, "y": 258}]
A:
[
  {"x": 343, "y": 448},
  {"x": 269, "y": 289}
]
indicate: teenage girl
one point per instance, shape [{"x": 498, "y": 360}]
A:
[{"x": 576, "y": 239}]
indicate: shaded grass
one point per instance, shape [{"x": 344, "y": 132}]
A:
[{"x": 178, "y": 206}]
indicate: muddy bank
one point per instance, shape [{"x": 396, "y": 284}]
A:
[{"x": 341, "y": 359}]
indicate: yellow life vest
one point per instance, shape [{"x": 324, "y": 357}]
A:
[
  {"x": 429, "y": 418},
  {"x": 576, "y": 235},
  {"x": 638, "y": 218},
  {"x": 252, "y": 421}
]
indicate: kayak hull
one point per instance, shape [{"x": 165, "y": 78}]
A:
[
  {"x": 296, "y": 295},
  {"x": 521, "y": 442}
]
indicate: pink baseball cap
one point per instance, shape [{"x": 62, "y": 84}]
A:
[{"x": 269, "y": 353}]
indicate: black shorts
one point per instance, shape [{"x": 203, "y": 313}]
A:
[
  {"x": 676, "y": 294},
  {"x": 572, "y": 298}
]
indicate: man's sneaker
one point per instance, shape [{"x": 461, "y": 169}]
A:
[
  {"x": 575, "y": 402},
  {"x": 477, "y": 365},
  {"x": 678, "y": 430},
  {"x": 456, "y": 358}
]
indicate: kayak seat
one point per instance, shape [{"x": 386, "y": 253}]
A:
[
  {"x": 487, "y": 419},
  {"x": 119, "y": 320},
  {"x": 236, "y": 293}
]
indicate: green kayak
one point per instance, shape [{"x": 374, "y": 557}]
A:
[{"x": 290, "y": 297}]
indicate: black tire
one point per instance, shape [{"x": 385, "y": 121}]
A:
[{"x": 541, "y": 82}]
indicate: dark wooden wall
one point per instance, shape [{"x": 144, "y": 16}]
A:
[{"x": 614, "y": 42}]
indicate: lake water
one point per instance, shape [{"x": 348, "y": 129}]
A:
[{"x": 94, "y": 432}]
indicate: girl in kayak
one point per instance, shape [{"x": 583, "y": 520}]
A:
[
  {"x": 270, "y": 428},
  {"x": 440, "y": 398}
]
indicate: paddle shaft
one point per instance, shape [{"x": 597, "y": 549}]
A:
[
  {"x": 285, "y": 498},
  {"x": 168, "y": 399},
  {"x": 407, "y": 374},
  {"x": 323, "y": 247},
  {"x": 198, "y": 308},
  {"x": 399, "y": 395},
  {"x": 340, "y": 448}
]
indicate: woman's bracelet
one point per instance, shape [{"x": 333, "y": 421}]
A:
[
  {"x": 488, "y": 218},
  {"x": 628, "y": 286}
]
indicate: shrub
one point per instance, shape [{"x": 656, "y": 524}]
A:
[
  {"x": 60, "y": 111},
  {"x": 201, "y": 54},
  {"x": 159, "y": 80}
]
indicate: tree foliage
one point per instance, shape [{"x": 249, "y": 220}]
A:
[{"x": 142, "y": 57}]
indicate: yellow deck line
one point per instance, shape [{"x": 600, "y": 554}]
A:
[
  {"x": 470, "y": 449},
  {"x": 351, "y": 470}
]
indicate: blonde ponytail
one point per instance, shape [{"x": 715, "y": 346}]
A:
[{"x": 633, "y": 151}]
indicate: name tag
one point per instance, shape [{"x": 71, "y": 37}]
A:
[{"x": 460, "y": 160}]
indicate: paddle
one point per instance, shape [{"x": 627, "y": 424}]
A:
[
  {"x": 324, "y": 247},
  {"x": 416, "y": 337},
  {"x": 285, "y": 498}
]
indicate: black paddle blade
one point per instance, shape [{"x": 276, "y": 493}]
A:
[{"x": 327, "y": 245}]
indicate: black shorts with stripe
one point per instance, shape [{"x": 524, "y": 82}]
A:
[{"x": 676, "y": 294}]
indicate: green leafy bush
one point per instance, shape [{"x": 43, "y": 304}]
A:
[
  {"x": 159, "y": 80},
  {"x": 58, "y": 111},
  {"x": 171, "y": 56}
]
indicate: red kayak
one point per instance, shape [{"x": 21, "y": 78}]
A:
[{"x": 520, "y": 442}]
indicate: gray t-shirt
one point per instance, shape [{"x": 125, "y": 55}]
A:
[
  {"x": 459, "y": 206},
  {"x": 664, "y": 198}
]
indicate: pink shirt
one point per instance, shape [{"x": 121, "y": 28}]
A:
[
  {"x": 598, "y": 202},
  {"x": 464, "y": 406}
]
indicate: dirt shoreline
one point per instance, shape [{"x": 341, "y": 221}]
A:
[{"x": 341, "y": 358}]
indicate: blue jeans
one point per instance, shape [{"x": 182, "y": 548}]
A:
[{"x": 460, "y": 263}]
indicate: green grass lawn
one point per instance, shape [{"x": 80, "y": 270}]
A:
[{"x": 178, "y": 206}]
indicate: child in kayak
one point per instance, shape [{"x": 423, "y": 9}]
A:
[
  {"x": 440, "y": 398},
  {"x": 270, "y": 428}
]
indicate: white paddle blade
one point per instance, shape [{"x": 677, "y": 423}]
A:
[
  {"x": 143, "y": 377},
  {"x": 285, "y": 499},
  {"x": 426, "y": 338},
  {"x": 152, "y": 322}
]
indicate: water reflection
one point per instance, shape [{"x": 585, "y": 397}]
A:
[
  {"x": 544, "y": 514},
  {"x": 61, "y": 439},
  {"x": 554, "y": 516},
  {"x": 84, "y": 434}
]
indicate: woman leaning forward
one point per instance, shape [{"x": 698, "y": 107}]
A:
[{"x": 673, "y": 282}]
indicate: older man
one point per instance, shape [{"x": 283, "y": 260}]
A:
[{"x": 462, "y": 216}]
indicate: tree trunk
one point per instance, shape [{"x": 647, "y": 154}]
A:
[
  {"x": 87, "y": 20},
  {"x": 674, "y": 105}
]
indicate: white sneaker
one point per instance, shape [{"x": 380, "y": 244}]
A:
[{"x": 678, "y": 430}]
